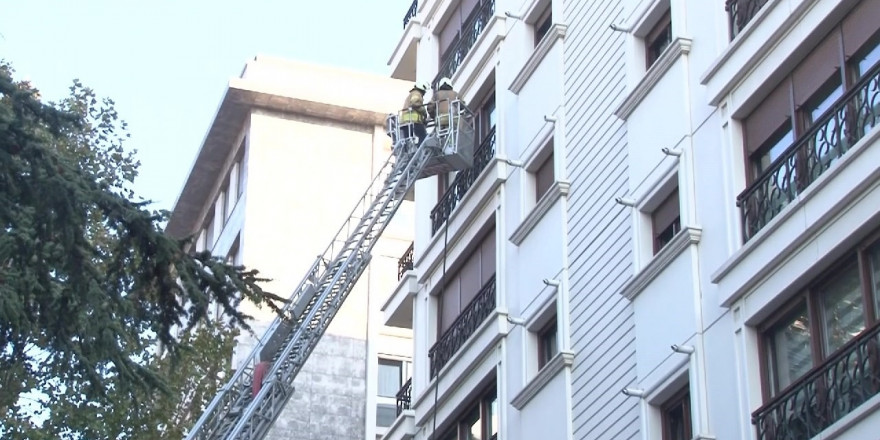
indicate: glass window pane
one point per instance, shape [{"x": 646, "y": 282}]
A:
[
  {"x": 842, "y": 308},
  {"x": 789, "y": 347},
  {"x": 389, "y": 377},
  {"x": 868, "y": 61},
  {"x": 493, "y": 416},
  {"x": 472, "y": 424},
  {"x": 385, "y": 415},
  {"x": 874, "y": 257}
]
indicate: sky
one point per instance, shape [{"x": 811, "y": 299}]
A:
[{"x": 166, "y": 63}]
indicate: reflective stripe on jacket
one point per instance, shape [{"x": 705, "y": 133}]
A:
[{"x": 413, "y": 108}]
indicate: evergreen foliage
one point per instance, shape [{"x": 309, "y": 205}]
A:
[{"x": 90, "y": 285}]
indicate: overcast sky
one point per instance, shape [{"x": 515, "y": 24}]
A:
[{"x": 166, "y": 63}]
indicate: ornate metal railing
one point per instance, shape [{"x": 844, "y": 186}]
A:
[
  {"x": 405, "y": 262},
  {"x": 463, "y": 327},
  {"x": 413, "y": 9},
  {"x": 463, "y": 182},
  {"x": 826, "y": 394},
  {"x": 404, "y": 397},
  {"x": 463, "y": 43},
  {"x": 740, "y": 13},
  {"x": 838, "y": 129}
]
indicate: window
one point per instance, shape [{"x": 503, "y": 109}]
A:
[
  {"x": 485, "y": 118},
  {"x": 544, "y": 175},
  {"x": 210, "y": 229},
  {"x": 666, "y": 221},
  {"x": 239, "y": 167},
  {"x": 478, "y": 422},
  {"x": 828, "y": 314},
  {"x": 548, "y": 344},
  {"x": 799, "y": 102},
  {"x": 543, "y": 25},
  {"x": 658, "y": 39},
  {"x": 466, "y": 282},
  {"x": 675, "y": 416},
  {"x": 390, "y": 377}
]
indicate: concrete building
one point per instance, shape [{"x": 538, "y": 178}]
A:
[
  {"x": 671, "y": 231},
  {"x": 291, "y": 149}
]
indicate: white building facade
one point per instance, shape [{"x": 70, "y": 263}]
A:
[
  {"x": 290, "y": 151},
  {"x": 671, "y": 229}
]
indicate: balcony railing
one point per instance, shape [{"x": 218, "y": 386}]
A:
[
  {"x": 826, "y": 394},
  {"x": 413, "y": 9},
  {"x": 405, "y": 262},
  {"x": 740, "y": 13},
  {"x": 835, "y": 132},
  {"x": 404, "y": 397},
  {"x": 463, "y": 182},
  {"x": 463, "y": 43},
  {"x": 463, "y": 327}
]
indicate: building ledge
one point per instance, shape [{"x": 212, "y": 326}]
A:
[
  {"x": 403, "y": 428},
  {"x": 398, "y": 307},
  {"x": 680, "y": 46},
  {"x": 562, "y": 360},
  {"x": 559, "y": 190},
  {"x": 689, "y": 235},
  {"x": 556, "y": 33}
]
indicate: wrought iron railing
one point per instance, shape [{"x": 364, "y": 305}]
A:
[
  {"x": 405, "y": 262},
  {"x": 404, "y": 397},
  {"x": 826, "y": 394},
  {"x": 463, "y": 43},
  {"x": 463, "y": 327},
  {"x": 837, "y": 130},
  {"x": 740, "y": 13},
  {"x": 413, "y": 9},
  {"x": 463, "y": 182}
]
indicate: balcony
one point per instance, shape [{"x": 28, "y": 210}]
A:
[
  {"x": 404, "y": 397},
  {"x": 463, "y": 327},
  {"x": 833, "y": 134},
  {"x": 405, "y": 263},
  {"x": 740, "y": 13},
  {"x": 463, "y": 43},
  {"x": 826, "y": 394},
  {"x": 463, "y": 182},
  {"x": 413, "y": 9}
]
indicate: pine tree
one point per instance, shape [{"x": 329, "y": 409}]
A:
[{"x": 89, "y": 283}]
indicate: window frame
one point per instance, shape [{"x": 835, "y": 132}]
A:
[
  {"x": 812, "y": 298},
  {"x": 547, "y": 350},
  {"x": 543, "y": 24},
  {"x": 660, "y": 32},
  {"x": 673, "y": 224},
  {"x": 482, "y": 405},
  {"x": 682, "y": 399}
]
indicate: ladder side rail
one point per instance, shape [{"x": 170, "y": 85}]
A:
[
  {"x": 258, "y": 418},
  {"x": 243, "y": 375},
  {"x": 391, "y": 192}
]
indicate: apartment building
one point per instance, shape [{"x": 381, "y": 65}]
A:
[
  {"x": 671, "y": 231},
  {"x": 290, "y": 151},
  {"x": 487, "y": 296}
]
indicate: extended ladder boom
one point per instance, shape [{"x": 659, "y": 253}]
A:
[{"x": 249, "y": 403}]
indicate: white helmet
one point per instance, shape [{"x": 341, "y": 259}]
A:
[{"x": 445, "y": 83}]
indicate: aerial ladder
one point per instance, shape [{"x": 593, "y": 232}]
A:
[{"x": 247, "y": 406}]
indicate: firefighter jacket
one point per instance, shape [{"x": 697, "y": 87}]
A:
[
  {"x": 441, "y": 102},
  {"x": 414, "y": 108}
]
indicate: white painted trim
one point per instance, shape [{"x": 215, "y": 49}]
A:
[
  {"x": 689, "y": 235},
  {"x": 558, "y": 190},
  {"x": 680, "y": 46},
  {"x": 557, "y": 32},
  {"x": 561, "y": 360}
]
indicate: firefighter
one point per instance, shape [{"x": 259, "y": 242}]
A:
[
  {"x": 414, "y": 114},
  {"x": 440, "y": 104}
]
